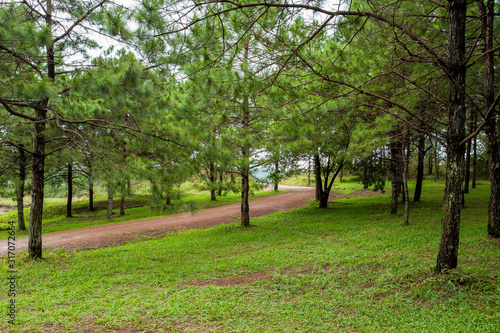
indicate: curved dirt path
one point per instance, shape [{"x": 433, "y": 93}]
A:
[{"x": 120, "y": 233}]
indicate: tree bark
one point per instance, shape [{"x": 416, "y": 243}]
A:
[
  {"x": 70, "y": 190},
  {"x": 452, "y": 201},
  {"x": 213, "y": 178},
  {"x": 109, "y": 216},
  {"x": 420, "y": 167},
  {"x": 122, "y": 205},
  {"x": 474, "y": 154},
  {"x": 276, "y": 170},
  {"x": 20, "y": 190},
  {"x": 429, "y": 159},
  {"x": 220, "y": 183},
  {"x": 309, "y": 172},
  {"x": 492, "y": 132},
  {"x": 91, "y": 196},
  {"x": 395, "y": 180},
  {"x": 38, "y": 183},
  {"x": 406, "y": 158},
  {"x": 436, "y": 164},
  {"x": 467, "y": 169},
  {"x": 317, "y": 176},
  {"x": 245, "y": 152}
]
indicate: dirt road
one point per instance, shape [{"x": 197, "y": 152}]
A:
[{"x": 106, "y": 235}]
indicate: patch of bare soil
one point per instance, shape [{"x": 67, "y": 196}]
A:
[{"x": 117, "y": 234}]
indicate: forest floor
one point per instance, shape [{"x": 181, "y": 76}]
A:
[{"x": 117, "y": 234}]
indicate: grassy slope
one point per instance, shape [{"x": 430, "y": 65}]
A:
[
  {"x": 349, "y": 268},
  {"x": 54, "y": 213}
]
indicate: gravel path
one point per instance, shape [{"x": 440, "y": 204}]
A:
[{"x": 113, "y": 234}]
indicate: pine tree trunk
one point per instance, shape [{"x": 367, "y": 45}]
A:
[
  {"x": 317, "y": 176},
  {"x": 91, "y": 196},
  {"x": 452, "y": 201},
  {"x": 323, "y": 202},
  {"x": 169, "y": 199},
  {"x": 276, "y": 170},
  {"x": 20, "y": 190},
  {"x": 220, "y": 183},
  {"x": 70, "y": 190},
  {"x": 37, "y": 185},
  {"x": 122, "y": 204},
  {"x": 436, "y": 165},
  {"x": 420, "y": 168},
  {"x": 429, "y": 159},
  {"x": 395, "y": 180},
  {"x": 245, "y": 152},
  {"x": 491, "y": 129},
  {"x": 406, "y": 157},
  {"x": 212, "y": 177},
  {"x": 110, "y": 203},
  {"x": 474, "y": 155},
  {"x": 309, "y": 172}
]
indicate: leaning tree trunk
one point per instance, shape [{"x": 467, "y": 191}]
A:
[
  {"x": 70, "y": 190},
  {"x": 20, "y": 190},
  {"x": 452, "y": 201},
  {"x": 37, "y": 185},
  {"x": 420, "y": 167}
]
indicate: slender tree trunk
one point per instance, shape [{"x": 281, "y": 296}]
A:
[
  {"x": 420, "y": 167},
  {"x": 213, "y": 178},
  {"x": 309, "y": 171},
  {"x": 20, "y": 190},
  {"x": 70, "y": 190},
  {"x": 341, "y": 175},
  {"x": 491, "y": 129},
  {"x": 168, "y": 201},
  {"x": 37, "y": 186},
  {"x": 317, "y": 176},
  {"x": 220, "y": 183},
  {"x": 276, "y": 170},
  {"x": 395, "y": 180},
  {"x": 91, "y": 196},
  {"x": 122, "y": 204},
  {"x": 110, "y": 203},
  {"x": 245, "y": 189},
  {"x": 406, "y": 158},
  {"x": 452, "y": 201},
  {"x": 467, "y": 169},
  {"x": 365, "y": 175},
  {"x": 436, "y": 164},
  {"x": 245, "y": 152},
  {"x": 474, "y": 154},
  {"x": 429, "y": 159}
]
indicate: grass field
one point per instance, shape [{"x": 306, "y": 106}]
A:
[{"x": 349, "y": 268}]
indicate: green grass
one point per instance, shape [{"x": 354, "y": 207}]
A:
[
  {"x": 54, "y": 214},
  {"x": 349, "y": 268}
]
